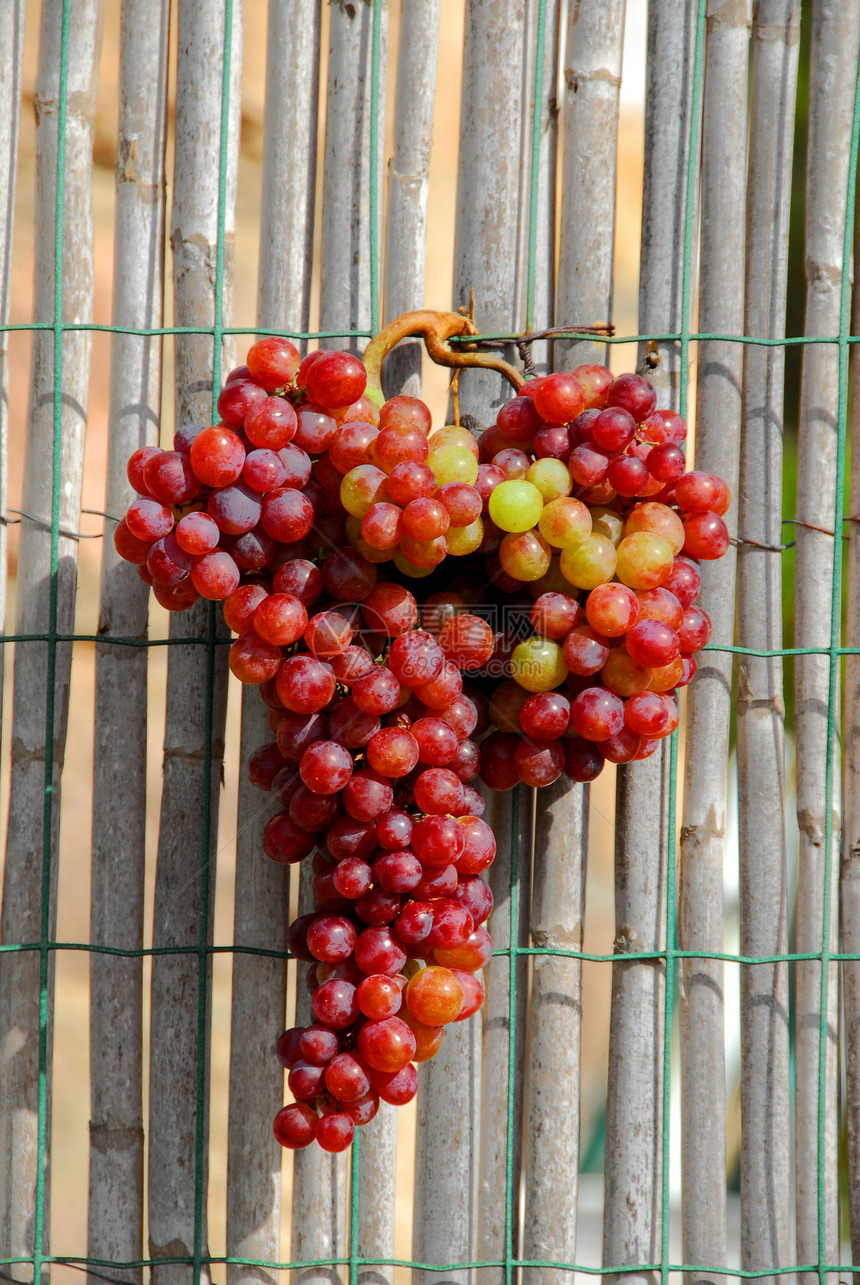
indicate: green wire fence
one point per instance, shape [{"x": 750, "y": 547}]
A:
[{"x": 516, "y": 138}]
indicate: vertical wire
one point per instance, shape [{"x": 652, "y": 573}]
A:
[
  {"x": 374, "y": 215},
  {"x": 534, "y": 179},
  {"x": 47, "y": 817},
  {"x": 671, "y": 946},
  {"x": 835, "y": 633},
  {"x": 375, "y": 176},
  {"x": 513, "y": 955},
  {"x": 206, "y": 821}
]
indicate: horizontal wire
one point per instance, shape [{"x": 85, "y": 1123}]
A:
[
  {"x": 228, "y": 642},
  {"x": 617, "y": 957},
  {"x": 144, "y": 332},
  {"x": 364, "y": 1261}
]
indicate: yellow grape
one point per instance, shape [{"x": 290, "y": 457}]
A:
[
  {"x": 644, "y": 560},
  {"x": 516, "y": 506},
  {"x": 525, "y": 555},
  {"x": 453, "y": 435},
  {"x": 465, "y": 539},
  {"x": 538, "y": 665},
  {"x": 565, "y": 523},
  {"x": 453, "y": 464},
  {"x": 658, "y": 519},
  {"x": 361, "y": 488},
  {"x": 590, "y": 563},
  {"x": 552, "y": 478}
]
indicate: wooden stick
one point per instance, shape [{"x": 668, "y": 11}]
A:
[
  {"x": 258, "y": 1003},
  {"x": 765, "y": 1109},
  {"x": 11, "y": 72},
  {"x": 634, "y": 1170},
  {"x": 448, "y": 1143},
  {"x": 196, "y": 681},
  {"x": 849, "y": 882},
  {"x": 289, "y": 164},
  {"x": 320, "y": 1225},
  {"x": 536, "y": 295},
  {"x": 634, "y": 1108},
  {"x": 405, "y": 256},
  {"x": 509, "y": 877},
  {"x": 593, "y": 43},
  {"x": 261, "y": 916},
  {"x": 408, "y": 181},
  {"x": 119, "y": 773},
  {"x": 555, "y": 1022},
  {"x": 488, "y": 184},
  {"x": 46, "y": 603},
  {"x": 346, "y": 284},
  {"x": 833, "y": 74},
  {"x": 709, "y": 701},
  {"x": 592, "y": 77}
]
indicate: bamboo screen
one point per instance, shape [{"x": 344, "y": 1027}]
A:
[{"x": 669, "y": 1083}]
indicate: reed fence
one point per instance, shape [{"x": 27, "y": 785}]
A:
[{"x": 691, "y": 1054}]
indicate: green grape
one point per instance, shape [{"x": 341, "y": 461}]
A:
[
  {"x": 537, "y": 664},
  {"x": 465, "y": 539},
  {"x": 590, "y": 564},
  {"x": 453, "y": 464},
  {"x": 552, "y": 478},
  {"x": 516, "y": 506},
  {"x": 644, "y": 560},
  {"x": 565, "y": 523}
]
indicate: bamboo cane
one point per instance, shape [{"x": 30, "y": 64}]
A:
[
  {"x": 536, "y": 284},
  {"x": 592, "y": 67},
  {"x": 509, "y": 881},
  {"x": 347, "y": 274},
  {"x": 405, "y": 257},
  {"x": 592, "y": 77},
  {"x": 709, "y": 702},
  {"x": 46, "y": 600},
  {"x": 261, "y": 912},
  {"x": 765, "y": 1111},
  {"x": 849, "y": 883},
  {"x": 320, "y": 1228},
  {"x": 552, "y": 1087},
  {"x": 319, "y": 1179},
  {"x": 488, "y": 182},
  {"x": 833, "y": 75},
  {"x": 289, "y": 163},
  {"x": 408, "y": 181},
  {"x": 11, "y": 69},
  {"x": 196, "y": 682},
  {"x": 119, "y": 780},
  {"x": 635, "y": 1160}
]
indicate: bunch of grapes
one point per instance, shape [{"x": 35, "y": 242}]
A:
[{"x": 571, "y": 611}]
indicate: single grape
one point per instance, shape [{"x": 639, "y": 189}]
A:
[
  {"x": 295, "y": 1125},
  {"x": 539, "y": 762},
  {"x": 515, "y": 505},
  {"x": 538, "y": 664}
]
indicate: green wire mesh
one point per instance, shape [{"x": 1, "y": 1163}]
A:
[{"x": 685, "y": 337}]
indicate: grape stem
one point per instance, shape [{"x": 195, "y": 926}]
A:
[{"x": 435, "y": 328}]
